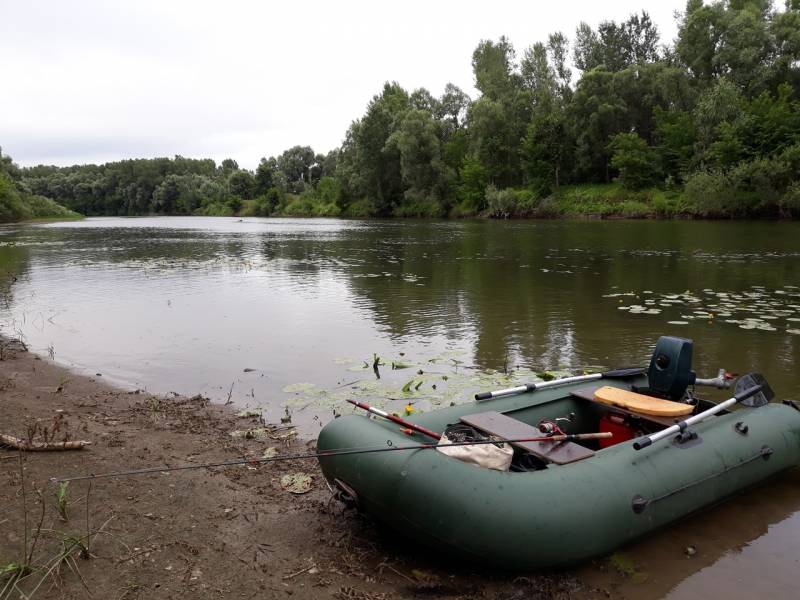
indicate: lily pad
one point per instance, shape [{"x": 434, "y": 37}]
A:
[
  {"x": 297, "y": 483},
  {"x": 295, "y": 388}
]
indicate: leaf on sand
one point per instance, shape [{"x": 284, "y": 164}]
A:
[
  {"x": 297, "y": 483},
  {"x": 249, "y": 413},
  {"x": 259, "y": 433},
  {"x": 426, "y": 577},
  {"x": 270, "y": 452}
]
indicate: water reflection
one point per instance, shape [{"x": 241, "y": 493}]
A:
[
  {"x": 158, "y": 302},
  {"x": 743, "y": 548}
]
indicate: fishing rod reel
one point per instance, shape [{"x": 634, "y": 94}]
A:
[{"x": 552, "y": 427}]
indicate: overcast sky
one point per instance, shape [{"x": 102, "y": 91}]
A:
[{"x": 99, "y": 81}]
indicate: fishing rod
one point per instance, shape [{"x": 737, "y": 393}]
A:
[
  {"x": 341, "y": 452},
  {"x": 395, "y": 419}
]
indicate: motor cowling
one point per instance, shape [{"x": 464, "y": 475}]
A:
[{"x": 670, "y": 371}]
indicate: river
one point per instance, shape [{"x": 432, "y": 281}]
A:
[{"x": 288, "y": 317}]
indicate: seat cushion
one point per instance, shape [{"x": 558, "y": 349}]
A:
[{"x": 646, "y": 405}]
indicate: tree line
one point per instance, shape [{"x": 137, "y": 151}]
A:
[{"x": 708, "y": 125}]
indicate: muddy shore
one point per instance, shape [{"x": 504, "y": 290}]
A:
[{"x": 211, "y": 533}]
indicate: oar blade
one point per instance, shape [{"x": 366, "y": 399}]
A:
[
  {"x": 751, "y": 380},
  {"x": 624, "y": 373}
]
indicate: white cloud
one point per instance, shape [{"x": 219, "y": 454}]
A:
[{"x": 97, "y": 81}]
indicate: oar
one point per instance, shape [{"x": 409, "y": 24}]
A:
[
  {"x": 761, "y": 389},
  {"x": 328, "y": 453},
  {"x": 530, "y": 387},
  {"x": 398, "y": 420}
]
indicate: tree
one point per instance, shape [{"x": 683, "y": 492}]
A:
[
  {"x": 369, "y": 166},
  {"x": 474, "y": 178},
  {"x": 597, "y": 114},
  {"x": 498, "y": 119},
  {"x": 675, "y": 137},
  {"x": 242, "y": 184},
  {"x": 228, "y": 166},
  {"x": 493, "y": 65},
  {"x": 616, "y": 46},
  {"x": 538, "y": 76},
  {"x": 453, "y": 107},
  {"x": 547, "y": 150},
  {"x": 424, "y": 175},
  {"x": 633, "y": 158},
  {"x": 296, "y": 162},
  {"x": 265, "y": 174}
]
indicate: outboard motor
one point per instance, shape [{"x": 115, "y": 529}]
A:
[{"x": 670, "y": 371}]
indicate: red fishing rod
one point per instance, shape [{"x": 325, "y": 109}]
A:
[{"x": 408, "y": 425}]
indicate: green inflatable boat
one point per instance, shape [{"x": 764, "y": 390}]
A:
[{"x": 558, "y": 503}]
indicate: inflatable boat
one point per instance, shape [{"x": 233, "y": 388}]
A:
[{"x": 669, "y": 454}]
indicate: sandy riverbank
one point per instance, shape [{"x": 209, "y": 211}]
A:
[{"x": 230, "y": 532}]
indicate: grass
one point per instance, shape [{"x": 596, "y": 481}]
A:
[
  {"x": 612, "y": 200},
  {"x": 61, "y": 500},
  {"x": 59, "y": 550}
]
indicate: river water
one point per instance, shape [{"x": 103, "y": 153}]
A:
[{"x": 288, "y": 316}]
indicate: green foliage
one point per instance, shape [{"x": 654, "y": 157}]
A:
[
  {"x": 474, "y": 178},
  {"x": 510, "y": 203},
  {"x": 634, "y": 160},
  {"x": 19, "y": 205},
  {"x": 308, "y": 206},
  {"x": 717, "y": 111},
  {"x": 264, "y": 205},
  {"x": 61, "y": 500},
  {"x": 329, "y": 190}
]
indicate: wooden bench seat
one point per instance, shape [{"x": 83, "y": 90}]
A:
[{"x": 504, "y": 427}]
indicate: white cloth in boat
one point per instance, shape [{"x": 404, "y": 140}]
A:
[{"x": 490, "y": 456}]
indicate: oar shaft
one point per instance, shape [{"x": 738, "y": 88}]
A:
[
  {"x": 651, "y": 439},
  {"x": 530, "y": 387}
]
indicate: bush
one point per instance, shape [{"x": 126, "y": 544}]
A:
[
  {"x": 17, "y": 205},
  {"x": 634, "y": 209},
  {"x": 215, "y": 209},
  {"x": 789, "y": 204},
  {"x": 509, "y": 203},
  {"x": 462, "y": 210},
  {"x": 309, "y": 206},
  {"x": 708, "y": 194},
  {"x": 752, "y": 188},
  {"x": 359, "y": 209}
]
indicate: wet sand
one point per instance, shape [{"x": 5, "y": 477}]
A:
[{"x": 230, "y": 532}]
